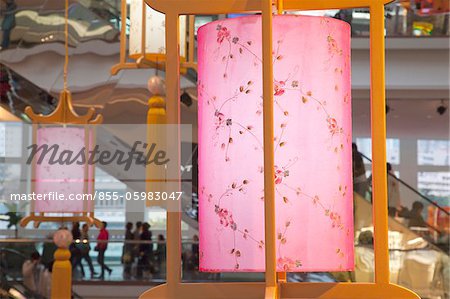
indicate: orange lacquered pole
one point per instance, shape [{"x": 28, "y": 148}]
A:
[
  {"x": 173, "y": 142},
  {"x": 378, "y": 124},
  {"x": 269, "y": 183}
]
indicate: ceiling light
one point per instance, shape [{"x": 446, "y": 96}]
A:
[{"x": 441, "y": 109}]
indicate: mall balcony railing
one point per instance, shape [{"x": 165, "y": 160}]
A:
[
  {"x": 424, "y": 269},
  {"x": 101, "y": 20},
  {"x": 36, "y": 25}
]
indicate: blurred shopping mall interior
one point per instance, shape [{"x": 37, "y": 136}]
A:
[{"x": 32, "y": 56}]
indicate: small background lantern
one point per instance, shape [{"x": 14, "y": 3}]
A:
[
  {"x": 147, "y": 35},
  {"x": 60, "y": 129},
  {"x": 68, "y": 131}
]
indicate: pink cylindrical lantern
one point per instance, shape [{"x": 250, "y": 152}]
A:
[
  {"x": 313, "y": 145},
  {"x": 61, "y": 173}
]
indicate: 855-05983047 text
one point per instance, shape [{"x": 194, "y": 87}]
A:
[{"x": 98, "y": 195}]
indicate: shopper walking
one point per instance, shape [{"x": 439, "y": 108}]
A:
[
  {"x": 75, "y": 253},
  {"x": 359, "y": 172},
  {"x": 145, "y": 251},
  {"x": 101, "y": 247},
  {"x": 127, "y": 252},
  {"x": 160, "y": 254},
  {"x": 31, "y": 272},
  {"x": 395, "y": 205},
  {"x": 85, "y": 248}
]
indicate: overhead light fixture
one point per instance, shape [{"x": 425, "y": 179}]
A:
[{"x": 441, "y": 109}]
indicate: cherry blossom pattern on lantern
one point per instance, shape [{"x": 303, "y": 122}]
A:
[
  {"x": 233, "y": 42},
  {"x": 229, "y": 130},
  {"x": 226, "y": 220},
  {"x": 332, "y": 45},
  {"x": 225, "y": 123},
  {"x": 338, "y": 137},
  {"x": 283, "y": 262}
]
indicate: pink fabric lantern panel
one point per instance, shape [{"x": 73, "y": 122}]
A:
[
  {"x": 63, "y": 178},
  {"x": 313, "y": 145}
]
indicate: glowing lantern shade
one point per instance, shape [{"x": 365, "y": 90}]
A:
[
  {"x": 153, "y": 23},
  {"x": 313, "y": 167},
  {"x": 64, "y": 179}
]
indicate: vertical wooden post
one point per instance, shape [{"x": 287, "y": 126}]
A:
[
  {"x": 378, "y": 124},
  {"x": 269, "y": 183},
  {"x": 173, "y": 143},
  {"x": 144, "y": 29},
  {"x": 191, "y": 47},
  {"x": 123, "y": 28}
]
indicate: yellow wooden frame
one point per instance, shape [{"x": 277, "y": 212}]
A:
[
  {"x": 275, "y": 286},
  {"x": 63, "y": 114}
]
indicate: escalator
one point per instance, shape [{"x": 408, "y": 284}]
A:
[
  {"x": 11, "y": 278},
  {"x": 39, "y": 23},
  {"x": 418, "y": 213},
  {"x": 94, "y": 28},
  {"x": 419, "y": 256},
  {"x": 22, "y": 93}
]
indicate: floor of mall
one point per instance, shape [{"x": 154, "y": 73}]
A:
[{"x": 107, "y": 158}]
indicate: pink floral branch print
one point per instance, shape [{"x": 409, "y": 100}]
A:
[
  {"x": 334, "y": 217},
  {"x": 224, "y": 122},
  {"x": 226, "y": 220},
  {"x": 223, "y": 34},
  {"x": 285, "y": 263},
  {"x": 229, "y": 130},
  {"x": 279, "y": 85}
]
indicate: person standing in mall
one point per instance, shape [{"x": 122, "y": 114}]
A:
[
  {"x": 85, "y": 247},
  {"x": 160, "y": 254},
  {"x": 75, "y": 253},
  {"x": 415, "y": 217},
  {"x": 359, "y": 172},
  {"x": 31, "y": 271},
  {"x": 138, "y": 230},
  {"x": 145, "y": 262},
  {"x": 393, "y": 192},
  {"x": 101, "y": 247},
  {"x": 137, "y": 236},
  {"x": 8, "y": 23},
  {"x": 195, "y": 252},
  {"x": 127, "y": 252},
  {"x": 48, "y": 250}
]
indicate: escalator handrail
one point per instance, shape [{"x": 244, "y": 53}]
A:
[{"x": 413, "y": 190}]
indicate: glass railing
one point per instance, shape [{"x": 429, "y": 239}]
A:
[
  {"x": 402, "y": 20},
  {"x": 21, "y": 93},
  {"x": 412, "y": 209},
  {"x": 424, "y": 269},
  {"x": 91, "y": 19},
  {"x": 44, "y": 23},
  {"x": 131, "y": 261}
]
